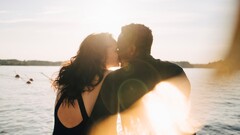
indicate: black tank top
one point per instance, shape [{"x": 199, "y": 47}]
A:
[{"x": 80, "y": 129}]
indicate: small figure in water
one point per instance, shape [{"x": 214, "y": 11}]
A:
[
  {"x": 31, "y": 79},
  {"x": 17, "y": 76},
  {"x": 28, "y": 82}
]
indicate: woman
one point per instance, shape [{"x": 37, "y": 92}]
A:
[{"x": 78, "y": 83}]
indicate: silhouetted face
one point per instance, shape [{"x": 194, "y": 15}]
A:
[
  {"x": 125, "y": 48},
  {"x": 112, "y": 56}
]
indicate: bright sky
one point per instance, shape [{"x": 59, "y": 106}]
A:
[{"x": 198, "y": 31}]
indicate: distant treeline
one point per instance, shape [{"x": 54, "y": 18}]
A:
[
  {"x": 13, "y": 62},
  {"x": 29, "y": 62},
  {"x": 186, "y": 64},
  {"x": 215, "y": 64}
]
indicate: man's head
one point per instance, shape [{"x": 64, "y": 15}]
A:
[{"x": 134, "y": 40}]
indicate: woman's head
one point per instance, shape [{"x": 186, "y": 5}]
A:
[
  {"x": 95, "y": 55},
  {"x": 95, "y": 50}
]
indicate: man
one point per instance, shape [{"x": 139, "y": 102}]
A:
[{"x": 139, "y": 74}]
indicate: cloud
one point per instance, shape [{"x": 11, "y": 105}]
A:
[
  {"x": 3, "y": 11},
  {"x": 17, "y": 20},
  {"x": 52, "y": 12},
  {"x": 48, "y": 10}
]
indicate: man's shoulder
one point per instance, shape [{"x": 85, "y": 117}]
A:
[
  {"x": 114, "y": 74},
  {"x": 168, "y": 68}
]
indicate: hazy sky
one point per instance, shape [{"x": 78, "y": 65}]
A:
[{"x": 198, "y": 31}]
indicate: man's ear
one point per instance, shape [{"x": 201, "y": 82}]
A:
[{"x": 132, "y": 50}]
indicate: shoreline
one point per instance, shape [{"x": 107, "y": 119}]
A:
[{"x": 15, "y": 62}]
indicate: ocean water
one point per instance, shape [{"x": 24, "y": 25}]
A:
[{"x": 27, "y": 109}]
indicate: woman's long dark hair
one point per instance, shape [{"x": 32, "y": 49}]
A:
[{"x": 81, "y": 72}]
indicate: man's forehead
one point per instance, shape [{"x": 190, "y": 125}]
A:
[
  {"x": 121, "y": 36},
  {"x": 124, "y": 37}
]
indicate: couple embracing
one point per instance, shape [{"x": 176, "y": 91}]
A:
[{"x": 88, "y": 92}]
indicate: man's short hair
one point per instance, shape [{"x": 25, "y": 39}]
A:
[{"x": 140, "y": 36}]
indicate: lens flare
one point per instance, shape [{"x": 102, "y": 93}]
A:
[
  {"x": 162, "y": 111},
  {"x": 168, "y": 110}
]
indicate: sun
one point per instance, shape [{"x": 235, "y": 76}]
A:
[{"x": 106, "y": 16}]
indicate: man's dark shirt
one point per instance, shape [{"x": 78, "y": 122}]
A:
[{"x": 123, "y": 87}]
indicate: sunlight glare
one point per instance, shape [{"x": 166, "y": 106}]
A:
[
  {"x": 163, "y": 111},
  {"x": 106, "y": 16},
  {"x": 113, "y": 68},
  {"x": 167, "y": 110}
]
